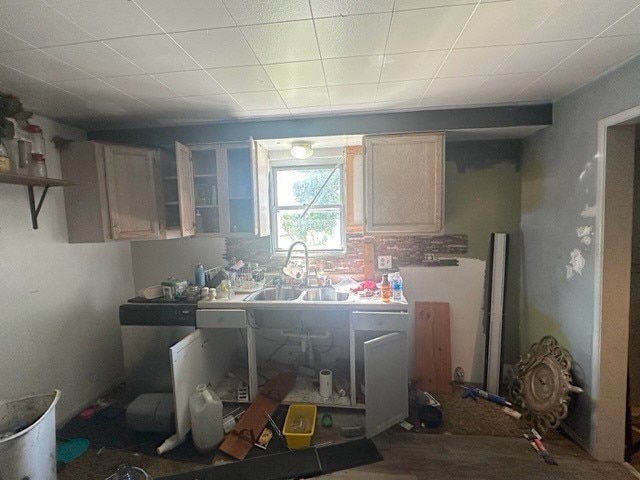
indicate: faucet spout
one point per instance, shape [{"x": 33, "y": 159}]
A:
[{"x": 306, "y": 258}]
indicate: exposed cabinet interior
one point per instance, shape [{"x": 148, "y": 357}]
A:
[
  {"x": 235, "y": 347},
  {"x": 404, "y": 178},
  {"x": 176, "y": 179},
  {"x": 206, "y": 192},
  {"x": 116, "y": 194}
]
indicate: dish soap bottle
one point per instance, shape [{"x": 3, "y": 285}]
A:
[{"x": 385, "y": 288}]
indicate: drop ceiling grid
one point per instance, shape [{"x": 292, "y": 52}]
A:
[{"x": 242, "y": 58}]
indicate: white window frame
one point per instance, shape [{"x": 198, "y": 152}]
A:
[{"x": 293, "y": 164}]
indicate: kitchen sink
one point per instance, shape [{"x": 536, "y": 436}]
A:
[
  {"x": 275, "y": 294},
  {"x": 288, "y": 294},
  {"x": 324, "y": 295}
]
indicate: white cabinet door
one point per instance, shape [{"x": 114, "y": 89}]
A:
[
  {"x": 404, "y": 177},
  {"x": 186, "y": 194},
  {"x": 260, "y": 166},
  {"x": 188, "y": 369},
  {"x": 131, "y": 194},
  {"x": 385, "y": 374}
]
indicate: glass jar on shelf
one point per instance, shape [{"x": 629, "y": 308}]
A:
[{"x": 38, "y": 168}]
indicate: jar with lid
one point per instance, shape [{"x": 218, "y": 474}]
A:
[
  {"x": 37, "y": 139},
  {"x": 38, "y": 168}
]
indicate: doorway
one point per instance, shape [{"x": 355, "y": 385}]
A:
[{"x": 614, "y": 208}]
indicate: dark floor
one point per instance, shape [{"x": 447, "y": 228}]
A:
[{"x": 475, "y": 441}]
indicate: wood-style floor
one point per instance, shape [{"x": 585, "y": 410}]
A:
[{"x": 409, "y": 456}]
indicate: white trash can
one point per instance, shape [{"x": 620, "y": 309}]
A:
[{"x": 31, "y": 451}]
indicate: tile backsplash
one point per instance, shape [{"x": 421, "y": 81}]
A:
[{"x": 406, "y": 250}]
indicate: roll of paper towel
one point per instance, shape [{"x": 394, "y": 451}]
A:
[{"x": 326, "y": 383}]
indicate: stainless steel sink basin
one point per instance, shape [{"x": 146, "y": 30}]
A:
[
  {"x": 275, "y": 294},
  {"x": 324, "y": 295}
]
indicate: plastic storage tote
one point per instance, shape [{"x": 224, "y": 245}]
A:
[{"x": 300, "y": 425}]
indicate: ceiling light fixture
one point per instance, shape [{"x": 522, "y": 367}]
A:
[{"x": 301, "y": 150}]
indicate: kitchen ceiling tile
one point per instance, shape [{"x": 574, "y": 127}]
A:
[
  {"x": 352, "y": 94},
  {"x": 95, "y": 90},
  {"x": 409, "y": 90},
  {"x": 558, "y": 83},
  {"x": 9, "y": 42},
  {"x": 505, "y": 23},
  {"x": 41, "y": 66},
  {"x": 509, "y": 85},
  {"x": 629, "y": 25},
  {"x": 427, "y": 29},
  {"x": 539, "y": 57},
  {"x": 352, "y": 70},
  {"x": 475, "y": 61},
  {"x": 283, "y": 42},
  {"x": 242, "y": 79},
  {"x": 250, "y": 12},
  {"x": 153, "y": 53},
  {"x": 445, "y": 101},
  {"x": 454, "y": 87},
  {"x": 305, "y": 97},
  {"x": 38, "y": 24},
  {"x": 260, "y": 100},
  {"x": 141, "y": 86},
  {"x": 417, "y": 4},
  {"x": 222, "y": 47},
  {"x": 353, "y": 107},
  {"x": 107, "y": 18},
  {"x": 353, "y": 35},
  {"x": 175, "y": 16},
  {"x": 341, "y": 8},
  {"x": 412, "y": 66},
  {"x": 273, "y": 113},
  {"x": 196, "y": 82},
  {"x": 576, "y": 19},
  {"x": 603, "y": 53},
  {"x": 311, "y": 111},
  {"x": 95, "y": 58},
  {"x": 296, "y": 74},
  {"x": 214, "y": 103}
]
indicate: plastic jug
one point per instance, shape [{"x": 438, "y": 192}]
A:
[{"x": 205, "y": 409}]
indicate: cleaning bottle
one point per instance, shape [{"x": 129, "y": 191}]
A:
[{"x": 205, "y": 410}]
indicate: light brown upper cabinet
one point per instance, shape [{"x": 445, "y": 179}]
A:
[
  {"x": 116, "y": 194},
  {"x": 404, "y": 178}
]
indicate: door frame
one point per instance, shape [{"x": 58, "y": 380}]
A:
[{"x": 610, "y": 339}]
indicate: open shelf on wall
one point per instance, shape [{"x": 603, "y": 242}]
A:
[{"x": 30, "y": 182}]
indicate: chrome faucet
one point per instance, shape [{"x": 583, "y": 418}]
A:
[{"x": 306, "y": 258}]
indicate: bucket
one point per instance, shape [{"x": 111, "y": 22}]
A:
[{"x": 31, "y": 451}]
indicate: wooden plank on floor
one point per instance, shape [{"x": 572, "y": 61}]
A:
[
  {"x": 433, "y": 347},
  {"x": 241, "y": 439}
]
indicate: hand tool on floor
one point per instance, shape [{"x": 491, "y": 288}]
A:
[
  {"x": 276, "y": 429},
  {"x": 536, "y": 442},
  {"x": 474, "y": 392}
]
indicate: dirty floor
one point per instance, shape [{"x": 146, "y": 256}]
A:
[{"x": 475, "y": 441}]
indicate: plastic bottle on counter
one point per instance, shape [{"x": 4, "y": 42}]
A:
[
  {"x": 385, "y": 289},
  {"x": 396, "y": 287},
  {"x": 199, "y": 274}
]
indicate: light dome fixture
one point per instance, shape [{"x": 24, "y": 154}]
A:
[{"x": 301, "y": 150}]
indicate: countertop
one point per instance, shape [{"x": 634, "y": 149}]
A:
[{"x": 354, "y": 302}]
